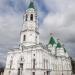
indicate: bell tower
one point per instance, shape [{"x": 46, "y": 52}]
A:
[{"x": 30, "y": 33}]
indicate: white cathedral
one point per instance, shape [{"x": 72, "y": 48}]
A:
[{"x": 34, "y": 58}]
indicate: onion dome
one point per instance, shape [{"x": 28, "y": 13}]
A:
[
  {"x": 58, "y": 45},
  {"x": 52, "y": 41}
]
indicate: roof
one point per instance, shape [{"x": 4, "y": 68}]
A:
[
  {"x": 52, "y": 41},
  {"x": 31, "y": 5},
  {"x": 58, "y": 45}
]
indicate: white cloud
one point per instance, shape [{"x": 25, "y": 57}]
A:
[
  {"x": 61, "y": 20},
  {"x": 10, "y": 26}
]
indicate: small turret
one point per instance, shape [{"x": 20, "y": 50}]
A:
[
  {"x": 59, "y": 45},
  {"x": 59, "y": 48},
  {"x": 52, "y": 44}
]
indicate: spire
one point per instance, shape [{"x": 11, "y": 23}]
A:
[
  {"x": 52, "y": 40},
  {"x": 31, "y": 5}
]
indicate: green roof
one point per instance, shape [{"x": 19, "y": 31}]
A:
[
  {"x": 52, "y": 41},
  {"x": 58, "y": 45},
  {"x": 31, "y": 5}
]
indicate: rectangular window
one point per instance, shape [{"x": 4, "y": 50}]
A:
[
  {"x": 33, "y": 73},
  {"x": 18, "y": 71},
  {"x": 21, "y": 65},
  {"x": 47, "y": 64},
  {"x": 44, "y": 73},
  {"x": 44, "y": 63},
  {"x": 11, "y": 64},
  {"x": 48, "y": 73},
  {"x": 33, "y": 63},
  {"x": 24, "y": 38}
]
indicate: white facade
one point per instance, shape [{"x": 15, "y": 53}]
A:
[{"x": 33, "y": 58}]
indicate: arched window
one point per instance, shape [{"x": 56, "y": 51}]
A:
[
  {"x": 26, "y": 17},
  {"x": 31, "y": 17},
  {"x": 24, "y": 38}
]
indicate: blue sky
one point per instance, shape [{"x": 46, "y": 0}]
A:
[{"x": 56, "y": 16}]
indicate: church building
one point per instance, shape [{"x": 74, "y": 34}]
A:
[{"x": 34, "y": 58}]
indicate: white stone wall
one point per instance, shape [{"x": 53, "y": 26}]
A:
[{"x": 56, "y": 65}]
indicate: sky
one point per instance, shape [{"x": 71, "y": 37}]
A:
[{"x": 57, "y": 16}]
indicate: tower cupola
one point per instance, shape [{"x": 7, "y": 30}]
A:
[
  {"x": 59, "y": 45},
  {"x": 52, "y": 44},
  {"x": 52, "y": 41},
  {"x": 59, "y": 48}
]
